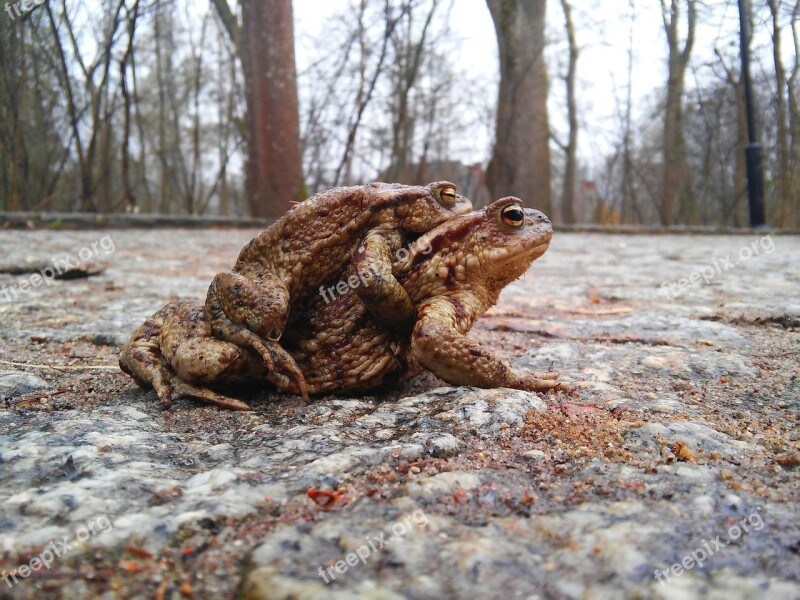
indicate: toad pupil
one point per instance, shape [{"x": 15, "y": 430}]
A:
[{"x": 514, "y": 216}]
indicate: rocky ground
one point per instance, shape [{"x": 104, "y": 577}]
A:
[{"x": 671, "y": 472}]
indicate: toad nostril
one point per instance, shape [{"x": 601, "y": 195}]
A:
[{"x": 540, "y": 218}]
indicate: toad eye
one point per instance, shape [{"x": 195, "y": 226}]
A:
[
  {"x": 448, "y": 196},
  {"x": 513, "y": 215}
]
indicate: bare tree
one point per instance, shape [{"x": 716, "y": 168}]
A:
[
  {"x": 366, "y": 87},
  {"x": 266, "y": 48},
  {"x": 734, "y": 203},
  {"x": 783, "y": 130},
  {"x": 150, "y": 104},
  {"x": 630, "y": 204},
  {"x": 408, "y": 53},
  {"x": 676, "y": 169},
  {"x": 96, "y": 99},
  {"x": 571, "y": 147},
  {"x": 34, "y": 132},
  {"x": 384, "y": 99},
  {"x": 14, "y": 151},
  {"x": 520, "y": 163},
  {"x": 129, "y": 199},
  {"x": 793, "y": 89}
]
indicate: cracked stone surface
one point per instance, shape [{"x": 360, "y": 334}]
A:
[{"x": 670, "y": 472}]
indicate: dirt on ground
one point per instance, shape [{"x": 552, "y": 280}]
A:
[{"x": 670, "y": 472}]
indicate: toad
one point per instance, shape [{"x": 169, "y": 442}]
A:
[
  {"x": 250, "y": 305},
  {"x": 452, "y": 274}
]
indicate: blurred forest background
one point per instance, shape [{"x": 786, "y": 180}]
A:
[{"x": 203, "y": 107}]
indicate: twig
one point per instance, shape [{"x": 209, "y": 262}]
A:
[
  {"x": 36, "y": 398},
  {"x": 63, "y": 367}
]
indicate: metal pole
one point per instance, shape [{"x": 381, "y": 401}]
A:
[{"x": 755, "y": 178}]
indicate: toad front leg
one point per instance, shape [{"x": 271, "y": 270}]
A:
[
  {"x": 440, "y": 346},
  {"x": 252, "y": 314},
  {"x": 381, "y": 293}
]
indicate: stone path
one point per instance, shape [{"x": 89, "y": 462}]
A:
[{"x": 672, "y": 472}]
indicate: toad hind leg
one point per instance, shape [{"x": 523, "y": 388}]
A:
[
  {"x": 188, "y": 390},
  {"x": 142, "y": 359},
  {"x": 252, "y": 315}
]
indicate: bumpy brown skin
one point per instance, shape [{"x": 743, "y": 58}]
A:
[
  {"x": 174, "y": 352},
  {"x": 453, "y": 275},
  {"x": 310, "y": 245}
]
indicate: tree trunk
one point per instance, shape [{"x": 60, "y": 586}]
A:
[
  {"x": 737, "y": 207},
  {"x": 793, "y": 92},
  {"x": 676, "y": 184},
  {"x": 630, "y": 205},
  {"x": 520, "y": 164},
  {"x": 273, "y": 170},
  {"x": 741, "y": 216},
  {"x": 164, "y": 188},
  {"x": 782, "y": 130},
  {"x": 568, "y": 194},
  {"x": 128, "y": 198}
]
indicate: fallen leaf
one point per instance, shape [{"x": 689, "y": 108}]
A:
[
  {"x": 130, "y": 566},
  {"x": 682, "y": 451},
  {"x": 140, "y": 552},
  {"x": 324, "y": 498}
]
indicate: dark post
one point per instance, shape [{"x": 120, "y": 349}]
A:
[{"x": 755, "y": 180}]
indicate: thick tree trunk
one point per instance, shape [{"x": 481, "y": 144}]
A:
[
  {"x": 273, "y": 171},
  {"x": 741, "y": 217},
  {"x": 520, "y": 164},
  {"x": 676, "y": 183},
  {"x": 674, "y": 148}
]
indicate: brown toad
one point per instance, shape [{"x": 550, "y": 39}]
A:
[
  {"x": 311, "y": 244},
  {"x": 453, "y": 274}
]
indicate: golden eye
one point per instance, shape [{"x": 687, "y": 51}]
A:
[
  {"x": 448, "y": 196},
  {"x": 513, "y": 215}
]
